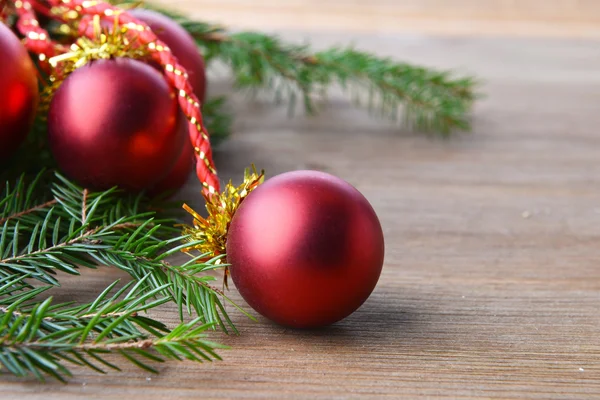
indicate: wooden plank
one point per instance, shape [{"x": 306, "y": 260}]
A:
[
  {"x": 491, "y": 285},
  {"x": 555, "y": 18}
]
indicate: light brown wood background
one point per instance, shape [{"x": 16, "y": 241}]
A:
[
  {"x": 491, "y": 283},
  {"x": 572, "y": 18}
]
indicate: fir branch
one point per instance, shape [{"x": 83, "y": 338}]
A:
[
  {"x": 14, "y": 288},
  {"x": 30, "y": 210},
  {"x": 20, "y": 201},
  {"x": 39, "y": 339},
  {"x": 91, "y": 229},
  {"x": 198, "y": 293},
  {"x": 422, "y": 98},
  {"x": 189, "y": 284},
  {"x": 427, "y": 100}
]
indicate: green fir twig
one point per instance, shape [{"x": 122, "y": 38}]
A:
[
  {"x": 76, "y": 228},
  {"x": 42, "y": 339}
]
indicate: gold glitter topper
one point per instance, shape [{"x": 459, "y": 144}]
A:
[{"x": 104, "y": 45}]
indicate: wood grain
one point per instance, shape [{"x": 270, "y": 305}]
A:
[
  {"x": 491, "y": 283},
  {"x": 554, "y": 18}
]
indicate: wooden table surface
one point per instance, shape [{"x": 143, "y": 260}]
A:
[{"x": 491, "y": 282}]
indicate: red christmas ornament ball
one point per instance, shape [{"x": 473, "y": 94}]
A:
[
  {"x": 180, "y": 172},
  {"x": 306, "y": 249},
  {"x": 18, "y": 92},
  {"x": 182, "y": 45},
  {"x": 114, "y": 123}
]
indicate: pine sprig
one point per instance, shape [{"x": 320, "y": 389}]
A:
[
  {"x": 421, "y": 98},
  {"x": 77, "y": 228},
  {"x": 44, "y": 338},
  {"x": 429, "y": 100},
  {"x": 18, "y": 201},
  {"x": 425, "y": 99},
  {"x": 14, "y": 288}
]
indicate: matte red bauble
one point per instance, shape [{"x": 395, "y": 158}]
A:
[
  {"x": 306, "y": 249},
  {"x": 18, "y": 92},
  {"x": 182, "y": 46},
  {"x": 114, "y": 123}
]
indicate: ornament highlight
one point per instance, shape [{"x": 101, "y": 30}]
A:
[
  {"x": 18, "y": 92},
  {"x": 305, "y": 249},
  {"x": 114, "y": 123}
]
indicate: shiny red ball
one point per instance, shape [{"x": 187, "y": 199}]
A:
[
  {"x": 114, "y": 123},
  {"x": 18, "y": 92},
  {"x": 306, "y": 249},
  {"x": 182, "y": 45}
]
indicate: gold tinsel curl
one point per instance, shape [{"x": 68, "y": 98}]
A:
[
  {"x": 209, "y": 234},
  {"x": 105, "y": 45}
]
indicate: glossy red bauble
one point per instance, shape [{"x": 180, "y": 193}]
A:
[
  {"x": 18, "y": 92},
  {"x": 114, "y": 123},
  {"x": 182, "y": 46},
  {"x": 306, "y": 249}
]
